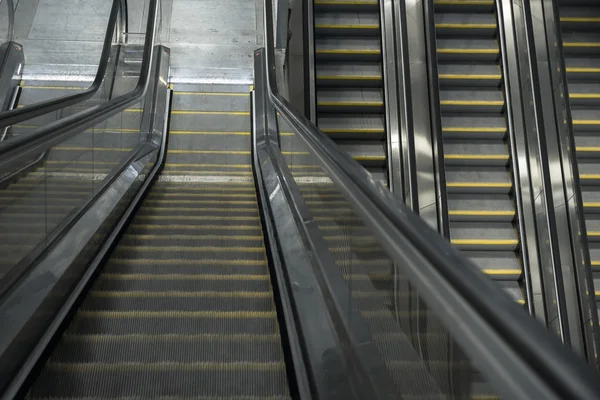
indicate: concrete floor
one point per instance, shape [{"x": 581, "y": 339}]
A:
[{"x": 211, "y": 41}]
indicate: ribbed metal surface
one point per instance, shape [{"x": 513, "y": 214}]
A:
[
  {"x": 184, "y": 307},
  {"x": 479, "y": 168},
  {"x": 580, "y": 26},
  {"x": 349, "y": 79}
]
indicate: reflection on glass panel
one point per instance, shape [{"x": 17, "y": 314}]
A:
[
  {"x": 5, "y": 32},
  {"x": 421, "y": 356},
  {"x": 57, "y": 183}
]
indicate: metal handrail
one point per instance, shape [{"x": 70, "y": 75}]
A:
[
  {"x": 15, "y": 152},
  {"x": 11, "y": 117},
  {"x": 557, "y": 369}
]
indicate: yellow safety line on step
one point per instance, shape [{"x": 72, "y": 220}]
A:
[
  {"x": 233, "y": 94},
  {"x": 581, "y": 44},
  {"x": 196, "y": 218},
  {"x": 192, "y": 112},
  {"x": 209, "y": 133},
  {"x": 54, "y": 87},
  {"x": 369, "y": 158},
  {"x": 480, "y": 184},
  {"x": 586, "y": 122},
  {"x": 589, "y": 149},
  {"x": 171, "y": 314},
  {"x": 589, "y": 176},
  {"x": 182, "y": 249},
  {"x": 349, "y": 51},
  {"x": 584, "y": 95},
  {"x": 170, "y": 165},
  {"x": 353, "y": 130},
  {"x": 146, "y": 295},
  {"x": 172, "y": 207},
  {"x": 178, "y": 261},
  {"x": 346, "y": 3},
  {"x": 474, "y": 129},
  {"x": 506, "y": 213},
  {"x": 591, "y": 205},
  {"x": 472, "y": 77},
  {"x": 464, "y": 2},
  {"x": 586, "y": 70},
  {"x": 193, "y": 237},
  {"x": 476, "y": 156},
  {"x": 579, "y": 19},
  {"x": 466, "y": 26},
  {"x": 469, "y": 51},
  {"x": 177, "y": 277},
  {"x": 492, "y": 242},
  {"x": 473, "y": 102},
  {"x": 502, "y": 271},
  {"x": 351, "y": 77},
  {"x": 231, "y": 152},
  {"x": 66, "y": 148},
  {"x": 329, "y": 26},
  {"x": 350, "y": 103}
]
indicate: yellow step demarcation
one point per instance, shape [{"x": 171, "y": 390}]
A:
[
  {"x": 484, "y": 242},
  {"x": 472, "y": 102},
  {"x": 177, "y": 314},
  {"x": 583, "y": 70},
  {"x": 349, "y": 51},
  {"x": 353, "y": 130},
  {"x": 198, "y": 294},
  {"x": 483, "y": 213},
  {"x": 176, "y": 277},
  {"x": 350, "y": 103},
  {"x": 581, "y": 44},
  {"x": 200, "y": 209},
  {"x": 464, "y": 2},
  {"x": 580, "y": 19},
  {"x": 476, "y": 156},
  {"x": 347, "y": 26},
  {"x": 53, "y": 87},
  {"x": 466, "y": 26},
  {"x": 171, "y": 337},
  {"x": 475, "y": 129},
  {"x": 175, "y": 261},
  {"x": 167, "y": 366},
  {"x": 225, "y": 94},
  {"x": 494, "y": 271},
  {"x": 468, "y": 51},
  {"x": 195, "y": 218},
  {"x": 192, "y": 237},
  {"x": 351, "y": 77},
  {"x": 586, "y": 122},
  {"x": 217, "y": 133},
  {"x": 346, "y": 2},
  {"x": 584, "y": 95},
  {"x": 151, "y": 195},
  {"x": 470, "y": 77},
  {"x": 480, "y": 184}
]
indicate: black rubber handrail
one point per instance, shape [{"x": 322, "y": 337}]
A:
[
  {"x": 558, "y": 368},
  {"x": 11, "y": 117},
  {"x": 18, "y": 151}
]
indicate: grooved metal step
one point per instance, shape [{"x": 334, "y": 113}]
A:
[
  {"x": 481, "y": 206},
  {"x": 349, "y": 79},
  {"x": 580, "y": 31}
]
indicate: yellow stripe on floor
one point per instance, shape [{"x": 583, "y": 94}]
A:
[
  {"x": 586, "y": 122},
  {"x": 581, "y": 44},
  {"x": 584, "y": 95}
]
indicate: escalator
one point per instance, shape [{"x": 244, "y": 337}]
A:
[
  {"x": 184, "y": 305},
  {"x": 349, "y": 79},
  {"x": 476, "y": 143},
  {"x": 580, "y": 30}
]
